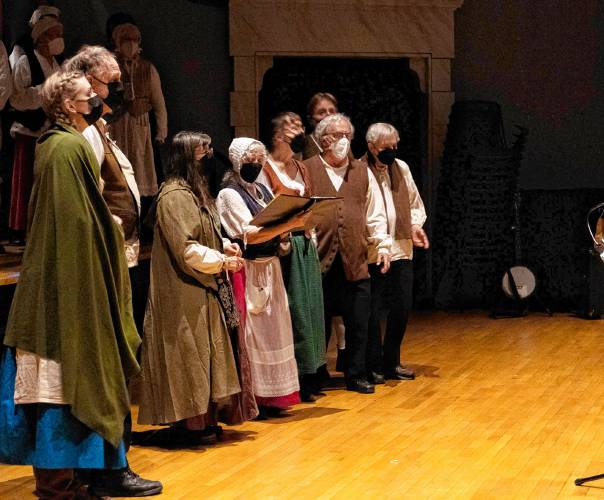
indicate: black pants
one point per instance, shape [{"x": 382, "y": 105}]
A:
[
  {"x": 351, "y": 300},
  {"x": 391, "y": 297}
]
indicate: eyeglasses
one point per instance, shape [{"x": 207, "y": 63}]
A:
[
  {"x": 340, "y": 135},
  {"x": 99, "y": 80}
]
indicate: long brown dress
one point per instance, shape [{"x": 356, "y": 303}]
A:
[{"x": 188, "y": 367}]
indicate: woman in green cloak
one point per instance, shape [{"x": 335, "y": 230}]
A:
[{"x": 71, "y": 336}]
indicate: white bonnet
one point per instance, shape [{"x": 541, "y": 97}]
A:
[
  {"x": 44, "y": 11},
  {"x": 239, "y": 147}
]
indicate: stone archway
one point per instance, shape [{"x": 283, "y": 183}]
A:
[{"x": 419, "y": 30}]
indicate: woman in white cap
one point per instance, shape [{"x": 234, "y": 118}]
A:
[
  {"x": 29, "y": 73},
  {"x": 24, "y": 43},
  {"x": 268, "y": 325},
  {"x": 143, "y": 94}
]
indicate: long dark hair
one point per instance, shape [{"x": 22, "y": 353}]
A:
[{"x": 183, "y": 167}]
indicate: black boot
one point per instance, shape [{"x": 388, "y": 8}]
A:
[
  {"x": 341, "y": 360},
  {"x": 306, "y": 395},
  {"x": 122, "y": 483}
]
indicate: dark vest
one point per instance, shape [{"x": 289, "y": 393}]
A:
[
  {"x": 137, "y": 82},
  {"x": 258, "y": 250},
  {"x": 400, "y": 197},
  {"x": 116, "y": 192},
  {"x": 32, "y": 119},
  {"x": 343, "y": 229}
]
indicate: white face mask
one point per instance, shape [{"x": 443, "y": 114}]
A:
[
  {"x": 340, "y": 148},
  {"x": 56, "y": 46},
  {"x": 129, "y": 49}
]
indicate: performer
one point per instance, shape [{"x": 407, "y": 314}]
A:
[
  {"x": 268, "y": 325},
  {"x": 24, "y": 43},
  {"x": 29, "y": 74},
  {"x": 143, "y": 94},
  {"x": 188, "y": 367},
  {"x": 301, "y": 270},
  {"x": 319, "y": 106},
  {"x": 119, "y": 191},
  {"x": 118, "y": 183},
  {"x": 406, "y": 216},
  {"x": 342, "y": 239},
  {"x": 70, "y": 330}
]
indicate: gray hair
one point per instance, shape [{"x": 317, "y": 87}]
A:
[
  {"x": 380, "y": 131},
  {"x": 323, "y": 125},
  {"x": 92, "y": 59}
]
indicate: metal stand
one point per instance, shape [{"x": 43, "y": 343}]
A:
[
  {"x": 521, "y": 306},
  {"x": 579, "y": 481}
]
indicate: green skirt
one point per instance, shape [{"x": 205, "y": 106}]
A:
[{"x": 302, "y": 274}]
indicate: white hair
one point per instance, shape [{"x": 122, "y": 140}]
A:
[
  {"x": 323, "y": 125},
  {"x": 381, "y": 131}
]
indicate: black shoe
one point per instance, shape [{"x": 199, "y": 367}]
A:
[
  {"x": 400, "y": 373},
  {"x": 360, "y": 385},
  {"x": 306, "y": 396},
  {"x": 376, "y": 378},
  {"x": 123, "y": 483}
]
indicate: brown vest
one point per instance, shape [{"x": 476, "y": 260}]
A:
[
  {"x": 400, "y": 197},
  {"x": 343, "y": 229},
  {"x": 278, "y": 187},
  {"x": 136, "y": 78},
  {"x": 116, "y": 192}
]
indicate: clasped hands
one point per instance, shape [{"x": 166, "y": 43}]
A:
[{"x": 232, "y": 260}]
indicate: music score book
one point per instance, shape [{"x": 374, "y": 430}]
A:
[{"x": 284, "y": 206}]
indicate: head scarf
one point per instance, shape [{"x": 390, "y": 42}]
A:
[
  {"x": 42, "y": 12},
  {"x": 122, "y": 29},
  {"x": 239, "y": 147},
  {"x": 42, "y": 26}
]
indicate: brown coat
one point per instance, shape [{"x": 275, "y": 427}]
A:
[
  {"x": 116, "y": 192},
  {"x": 187, "y": 358},
  {"x": 343, "y": 229}
]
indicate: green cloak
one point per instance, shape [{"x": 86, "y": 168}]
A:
[{"x": 73, "y": 302}]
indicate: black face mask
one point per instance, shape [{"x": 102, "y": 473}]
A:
[
  {"x": 96, "y": 110},
  {"x": 250, "y": 171},
  {"x": 387, "y": 156},
  {"x": 297, "y": 143},
  {"x": 208, "y": 165},
  {"x": 115, "y": 98}
]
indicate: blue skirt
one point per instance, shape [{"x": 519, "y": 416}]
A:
[{"x": 48, "y": 436}]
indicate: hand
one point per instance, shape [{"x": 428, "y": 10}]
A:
[
  {"x": 383, "y": 260},
  {"x": 419, "y": 237},
  {"x": 232, "y": 250},
  {"x": 159, "y": 139},
  {"x": 233, "y": 263}
]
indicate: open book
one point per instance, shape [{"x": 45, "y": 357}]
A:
[{"x": 284, "y": 206}]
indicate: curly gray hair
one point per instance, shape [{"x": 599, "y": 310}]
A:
[{"x": 323, "y": 125}]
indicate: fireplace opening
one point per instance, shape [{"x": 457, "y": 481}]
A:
[{"x": 368, "y": 91}]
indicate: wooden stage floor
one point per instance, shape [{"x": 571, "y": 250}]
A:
[{"x": 511, "y": 408}]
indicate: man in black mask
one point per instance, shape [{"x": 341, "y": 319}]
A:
[
  {"x": 122, "y": 197},
  {"x": 392, "y": 291}
]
